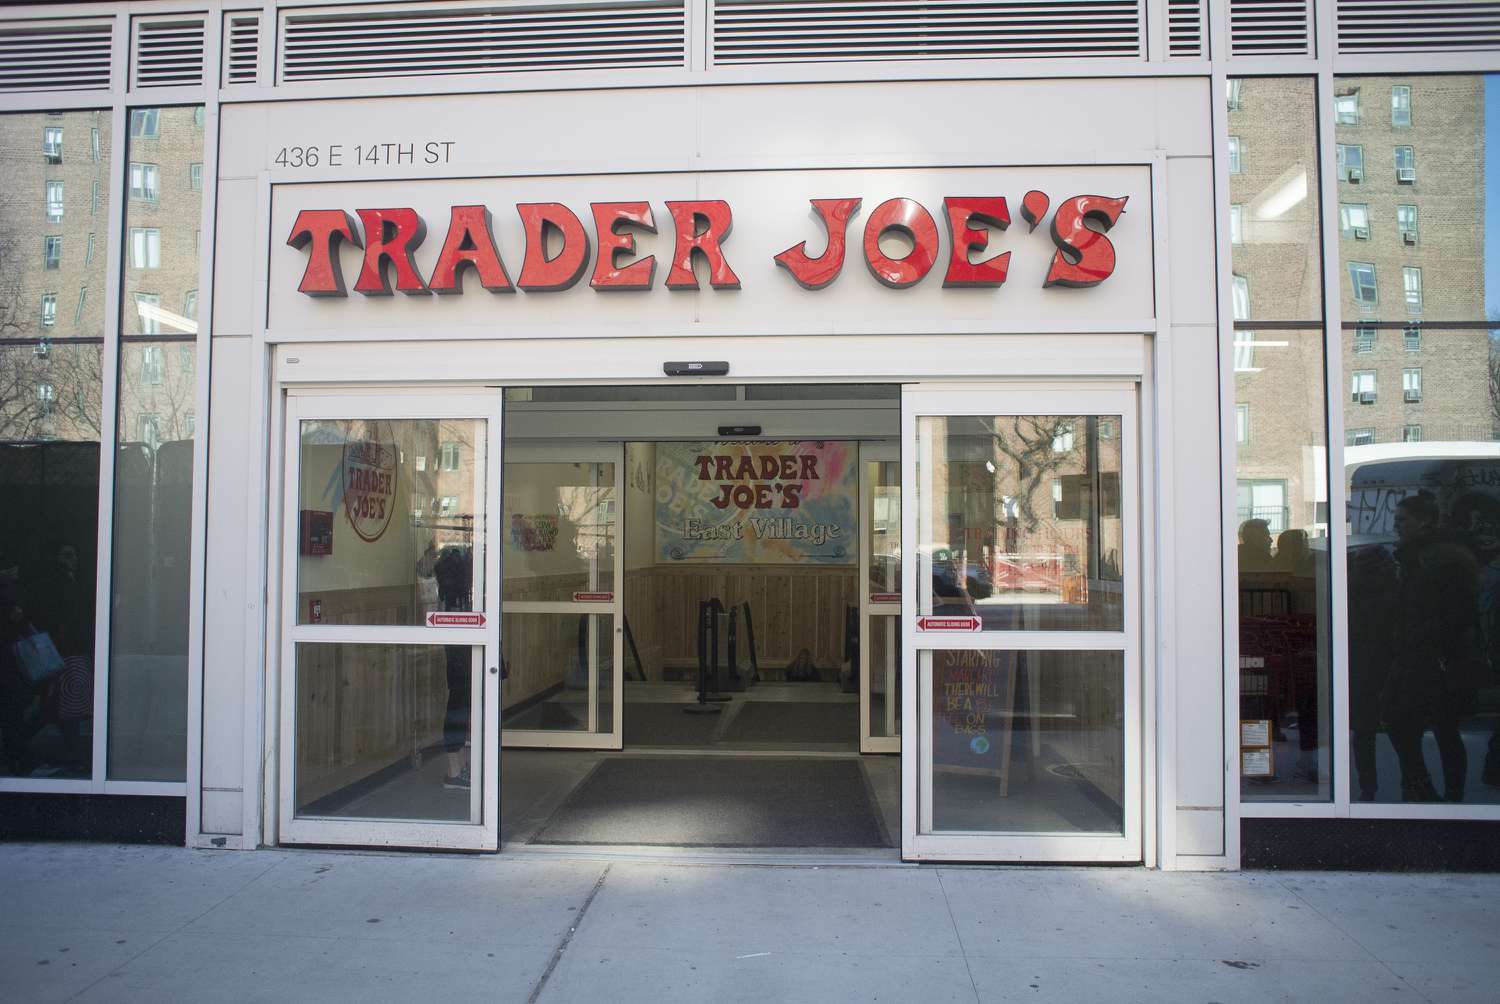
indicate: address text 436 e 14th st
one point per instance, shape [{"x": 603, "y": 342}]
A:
[{"x": 393, "y": 153}]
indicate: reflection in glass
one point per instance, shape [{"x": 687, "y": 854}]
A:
[
  {"x": 1020, "y": 521},
  {"x": 388, "y": 529},
  {"x": 883, "y": 526},
  {"x": 560, "y": 530},
  {"x": 550, "y": 661},
  {"x": 387, "y": 732},
  {"x": 885, "y": 675},
  {"x": 51, "y": 391},
  {"x": 1281, "y": 456},
  {"x": 1027, "y": 742},
  {"x": 154, "y": 460}
]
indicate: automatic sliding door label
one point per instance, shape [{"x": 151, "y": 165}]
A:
[
  {"x": 948, "y": 624},
  {"x": 454, "y": 618},
  {"x": 885, "y": 597},
  {"x": 593, "y": 597}
]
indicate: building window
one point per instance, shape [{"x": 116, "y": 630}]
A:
[
  {"x": 1244, "y": 341},
  {"x": 1406, "y": 165},
  {"x": 1411, "y": 284},
  {"x": 1354, "y": 220},
  {"x": 46, "y": 397},
  {"x": 420, "y": 464},
  {"x": 448, "y": 505},
  {"x": 1351, "y": 163},
  {"x": 1236, "y": 224},
  {"x": 1359, "y": 437},
  {"x": 1411, "y": 385},
  {"x": 190, "y": 304},
  {"x": 1406, "y": 225},
  {"x": 148, "y": 312},
  {"x": 51, "y": 253},
  {"x": 1236, "y": 155},
  {"x": 1411, "y": 338},
  {"x": 143, "y": 182},
  {"x": 185, "y": 359},
  {"x": 152, "y": 365},
  {"x": 1401, "y": 105},
  {"x": 1362, "y": 281},
  {"x": 94, "y": 200},
  {"x": 449, "y": 458},
  {"x": 195, "y": 177},
  {"x": 1411, "y": 434},
  {"x": 1232, "y": 91},
  {"x": 1241, "y": 424},
  {"x": 94, "y": 144},
  {"x": 54, "y": 201},
  {"x": 88, "y": 251},
  {"x": 189, "y": 425},
  {"x": 148, "y": 430},
  {"x": 145, "y": 123},
  {"x": 1262, "y": 500},
  {"x": 198, "y": 117},
  {"x": 49, "y": 309},
  {"x": 52, "y": 145},
  {"x": 83, "y": 296},
  {"x": 1362, "y": 387},
  {"x": 145, "y": 247},
  {"x": 1346, "y": 108},
  {"x": 1364, "y": 338},
  {"x": 1062, "y": 438}
]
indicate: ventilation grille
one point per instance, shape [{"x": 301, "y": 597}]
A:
[
  {"x": 332, "y": 45},
  {"x": 1185, "y": 28},
  {"x": 53, "y": 56},
  {"x": 241, "y": 48},
  {"x": 1417, "y": 26},
  {"x": 168, "y": 53},
  {"x": 779, "y": 31},
  {"x": 1269, "y": 28}
]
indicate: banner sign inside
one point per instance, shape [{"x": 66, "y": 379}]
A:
[{"x": 744, "y": 503}]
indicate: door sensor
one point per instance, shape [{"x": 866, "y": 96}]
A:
[
  {"x": 739, "y": 430},
  {"x": 716, "y": 367}
]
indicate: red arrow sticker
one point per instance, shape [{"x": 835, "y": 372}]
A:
[
  {"x": 593, "y": 597},
  {"x": 885, "y": 597},
  {"x": 440, "y": 618},
  {"x": 948, "y": 624}
]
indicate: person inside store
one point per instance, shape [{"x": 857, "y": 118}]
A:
[{"x": 454, "y": 572}]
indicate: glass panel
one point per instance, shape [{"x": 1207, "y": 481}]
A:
[
  {"x": 51, "y": 391},
  {"x": 386, "y": 535},
  {"x": 154, "y": 461},
  {"x": 549, "y": 659},
  {"x": 1424, "y": 576},
  {"x": 387, "y": 731},
  {"x": 1019, "y": 521},
  {"x": 822, "y": 391},
  {"x": 884, "y": 527},
  {"x": 885, "y": 675},
  {"x": 1027, "y": 742},
  {"x": 1281, "y": 456},
  {"x": 560, "y": 530}
]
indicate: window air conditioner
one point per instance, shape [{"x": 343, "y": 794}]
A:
[
  {"x": 1356, "y": 175},
  {"x": 1406, "y": 175},
  {"x": 1413, "y": 396},
  {"x": 1367, "y": 397},
  {"x": 1361, "y": 233},
  {"x": 1409, "y": 238}
]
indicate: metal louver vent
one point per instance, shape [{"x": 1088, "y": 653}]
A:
[
  {"x": 430, "y": 40},
  {"x": 168, "y": 53},
  {"x": 71, "y": 56},
  {"x": 778, "y": 31},
  {"x": 1185, "y": 28},
  {"x": 1269, "y": 28},
  {"x": 241, "y": 48},
  {"x": 1418, "y": 26}
]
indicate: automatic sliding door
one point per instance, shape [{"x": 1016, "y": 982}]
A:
[
  {"x": 880, "y": 600},
  {"x": 1024, "y": 630}
]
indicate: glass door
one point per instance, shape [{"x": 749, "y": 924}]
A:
[
  {"x": 880, "y": 599},
  {"x": 389, "y": 641},
  {"x": 1024, "y": 626},
  {"x": 562, "y": 608}
]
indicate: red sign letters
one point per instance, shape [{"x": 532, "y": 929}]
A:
[{"x": 1084, "y": 256}]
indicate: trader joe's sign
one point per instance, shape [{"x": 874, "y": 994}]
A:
[{"x": 756, "y": 502}]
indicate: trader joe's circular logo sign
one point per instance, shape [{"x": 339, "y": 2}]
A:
[{"x": 369, "y": 474}]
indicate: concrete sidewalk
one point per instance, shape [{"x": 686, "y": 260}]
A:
[{"x": 107, "y": 923}]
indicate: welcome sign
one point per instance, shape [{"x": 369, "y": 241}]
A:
[{"x": 761, "y": 502}]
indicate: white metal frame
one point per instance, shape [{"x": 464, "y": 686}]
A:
[
  {"x": 918, "y": 838},
  {"x": 885, "y": 614},
  {"x": 481, "y": 832},
  {"x": 610, "y": 738}
]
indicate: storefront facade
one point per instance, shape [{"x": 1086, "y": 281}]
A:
[{"x": 343, "y": 233}]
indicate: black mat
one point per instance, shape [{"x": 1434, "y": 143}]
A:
[
  {"x": 653, "y": 723},
  {"x": 795, "y": 722},
  {"x": 719, "y": 801}
]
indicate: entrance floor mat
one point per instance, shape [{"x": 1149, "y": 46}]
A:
[{"x": 719, "y": 801}]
